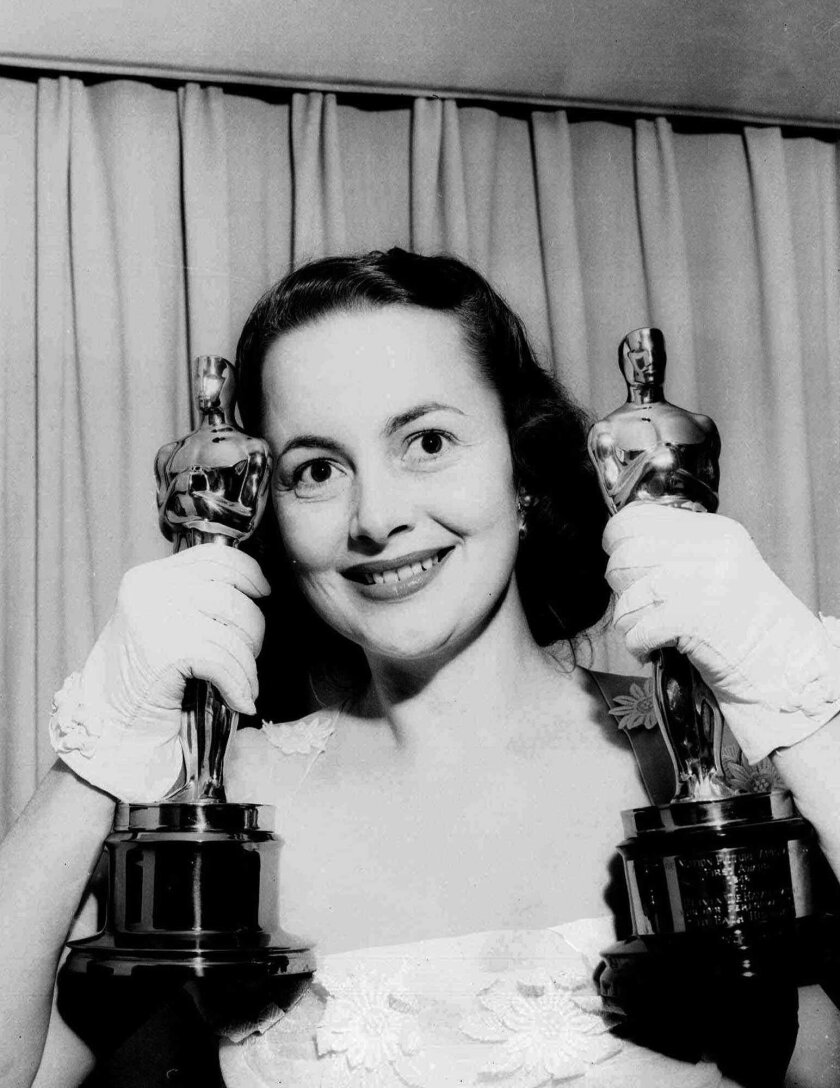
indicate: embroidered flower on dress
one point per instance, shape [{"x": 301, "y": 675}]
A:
[
  {"x": 543, "y": 1034},
  {"x": 369, "y": 1031},
  {"x": 636, "y": 709},
  {"x": 761, "y": 777},
  {"x": 302, "y": 738},
  {"x": 71, "y": 726}
]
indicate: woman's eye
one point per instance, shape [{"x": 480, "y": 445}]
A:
[
  {"x": 428, "y": 445},
  {"x": 431, "y": 442},
  {"x": 319, "y": 478}
]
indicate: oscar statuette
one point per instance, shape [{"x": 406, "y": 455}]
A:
[
  {"x": 192, "y": 947},
  {"x": 721, "y": 883}
]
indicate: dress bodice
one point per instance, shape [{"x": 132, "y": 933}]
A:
[
  {"x": 516, "y": 1009},
  {"x": 513, "y": 1008}
]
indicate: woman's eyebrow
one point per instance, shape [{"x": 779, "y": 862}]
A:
[
  {"x": 310, "y": 442},
  {"x": 319, "y": 442},
  {"x": 395, "y": 423}
]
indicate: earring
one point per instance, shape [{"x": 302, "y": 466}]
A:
[{"x": 523, "y": 501}]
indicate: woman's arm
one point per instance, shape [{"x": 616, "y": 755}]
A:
[
  {"x": 811, "y": 770},
  {"x": 45, "y": 863},
  {"x": 116, "y": 726}
]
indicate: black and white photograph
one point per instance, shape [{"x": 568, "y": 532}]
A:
[{"x": 420, "y": 544}]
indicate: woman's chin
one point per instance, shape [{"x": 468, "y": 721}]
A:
[
  {"x": 414, "y": 649},
  {"x": 415, "y": 654},
  {"x": 415, "y": 634}
]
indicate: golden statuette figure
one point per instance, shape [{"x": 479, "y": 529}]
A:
[
  {"x": 211, "y": 487},
  {"x": 649, "y": 450}
]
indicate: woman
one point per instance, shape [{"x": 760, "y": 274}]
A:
[{"x": 458, "y": 806}]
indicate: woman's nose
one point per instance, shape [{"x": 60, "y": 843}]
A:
[{"x": 382, "y": 508}]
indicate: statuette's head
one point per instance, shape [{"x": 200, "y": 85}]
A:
[
  {"x": 215, "y": 383},
  {"x": 641, "y": 357}
]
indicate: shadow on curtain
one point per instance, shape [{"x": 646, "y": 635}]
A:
[{"x": 139, "y": 224}]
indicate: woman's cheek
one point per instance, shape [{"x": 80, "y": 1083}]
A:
[
  {"x": 482, "y": 500},
  {"x": 311, "y": 532}
]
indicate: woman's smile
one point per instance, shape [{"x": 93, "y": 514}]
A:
[{"x": 398, "y": 578}]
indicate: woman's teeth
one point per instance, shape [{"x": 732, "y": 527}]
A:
[{"x": 399, "y": 574}]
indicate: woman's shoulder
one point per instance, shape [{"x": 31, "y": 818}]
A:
[{"x": 268, "y": 764}]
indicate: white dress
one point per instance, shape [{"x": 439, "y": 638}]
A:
[
  {"x": 511, "y": 1009},
  {"x": 514, "y": 1009}
]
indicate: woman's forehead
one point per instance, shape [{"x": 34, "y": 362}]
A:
[{"x": 370, "y": 360}]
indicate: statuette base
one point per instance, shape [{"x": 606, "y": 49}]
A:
[
  {"x": 724, "y": 907},
  {"x": 191, "y": 926}
]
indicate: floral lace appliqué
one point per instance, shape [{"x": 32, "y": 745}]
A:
[
  {"x": 761, "y": 777},
  {"x": 636, "y": 710},
  {"x": 306, "y": 737},
  {"x": 369, "y": 1033},
  {"x": 541, "y": 1032},
  {"x": 72, "y": 726}
]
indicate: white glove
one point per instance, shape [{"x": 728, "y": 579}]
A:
[
  {"x": 117, "y": 724},
  {"x": 697, "y": 582}
]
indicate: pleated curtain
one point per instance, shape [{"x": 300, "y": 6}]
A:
[{"x": 139, "y": 223}]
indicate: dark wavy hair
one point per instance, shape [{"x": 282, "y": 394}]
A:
[{"x": 560, "y": 567}]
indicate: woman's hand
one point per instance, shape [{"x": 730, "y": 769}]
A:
[
  {"x": 697, "y": 582},
  {"x": 190, "y": 615}
]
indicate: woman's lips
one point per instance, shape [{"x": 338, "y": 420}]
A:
[{"x": 399, "y": 581}]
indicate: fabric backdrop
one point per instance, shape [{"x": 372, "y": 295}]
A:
[{"x": 139, "y": 223}]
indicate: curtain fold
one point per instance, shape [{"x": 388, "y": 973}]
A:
[
  {"x": 205, "y": 203},
  {"x": 812, "y": 171},
  {"x": 438, "y": 198},
  {"x": 318, "y": 195},
  {"x": 140, "y": 223},
  {"x": 64, "y": 539},
  {"x": 560, "y": 251},
  {"x": 19, "y": 514},
  {"x": 664, "y": 258},
  {"x": 783, "y": 364}
]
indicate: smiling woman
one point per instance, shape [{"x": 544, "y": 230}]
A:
[
  {"x": 391, "y": 380},
  {"x": 358, "y": 512},
  {"x": 449, "y": 820}
]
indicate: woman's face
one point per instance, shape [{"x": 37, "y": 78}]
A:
[{"x": 393, "y": 482}]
